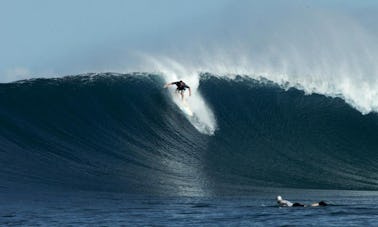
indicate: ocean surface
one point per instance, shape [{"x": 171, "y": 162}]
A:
[
  {"x": 347, "y": 208},
  {"x": 107, "y": 149}
]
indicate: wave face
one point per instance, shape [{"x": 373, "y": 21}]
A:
[{"x": 113, "y": 132}]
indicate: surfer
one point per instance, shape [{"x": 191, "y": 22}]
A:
[
  {"x": 285, "y": 203},
  {"x": 181, "y": 86}
]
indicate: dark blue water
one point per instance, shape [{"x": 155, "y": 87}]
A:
[
  {"x": 112, "y": 149},
  {"x": 115, "y": 209}
]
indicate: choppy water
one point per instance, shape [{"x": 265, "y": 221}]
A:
[{"x": 347, "y": 208}]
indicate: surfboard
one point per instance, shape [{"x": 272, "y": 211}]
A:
[{"x": 185, "y": 108}]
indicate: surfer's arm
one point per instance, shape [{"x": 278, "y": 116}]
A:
[{"x": 169, "y": 84}]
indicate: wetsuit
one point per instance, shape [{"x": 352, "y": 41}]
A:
[
  {"x": 298, "y": 205},
  {"x": 181, "y": 86}
]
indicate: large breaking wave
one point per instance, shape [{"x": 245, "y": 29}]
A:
[{"x": 114, "y": 132}]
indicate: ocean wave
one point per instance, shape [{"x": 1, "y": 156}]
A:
[{"x": 123, "y": 132}]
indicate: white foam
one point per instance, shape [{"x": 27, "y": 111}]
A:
[
  {"x": 329, "y": 54},
  {"x": 203, "y": 118}
]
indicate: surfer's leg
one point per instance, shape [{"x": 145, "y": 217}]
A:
[{"x": 182, "y": 94}]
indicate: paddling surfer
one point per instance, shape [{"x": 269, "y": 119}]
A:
[{"x": 285, "y": 203}]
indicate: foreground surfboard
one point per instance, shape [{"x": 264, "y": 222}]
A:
[{"x": 183, "y": 105}]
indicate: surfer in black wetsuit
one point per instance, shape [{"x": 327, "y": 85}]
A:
[{"x": 181, "y": 86}]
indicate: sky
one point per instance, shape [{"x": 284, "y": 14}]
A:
[{"x": 43, "y": 38}]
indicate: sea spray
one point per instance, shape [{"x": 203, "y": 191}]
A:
[
  {"x": 203, "y": 119},
  {"x": 316, "y": 50}
]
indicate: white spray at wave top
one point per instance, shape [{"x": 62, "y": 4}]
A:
[
  {"x": 204, "y": 120},
  {"x": 317, "y": 51}
]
